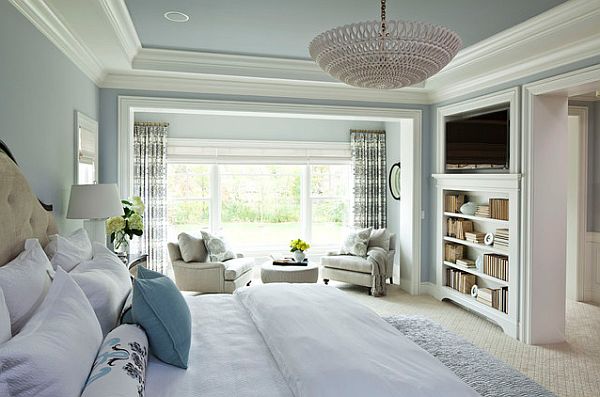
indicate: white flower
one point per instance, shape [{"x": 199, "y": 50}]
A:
[{"x": 115, "y": 224}]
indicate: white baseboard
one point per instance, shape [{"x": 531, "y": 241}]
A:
[{"x": 428, "y": 288}]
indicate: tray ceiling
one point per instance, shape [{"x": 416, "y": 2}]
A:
[{"x": 284, "y": 28}]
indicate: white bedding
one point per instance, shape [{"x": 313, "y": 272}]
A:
[
  {"x": 298, "y": 340},
  {"x": 228, "y": 356}
]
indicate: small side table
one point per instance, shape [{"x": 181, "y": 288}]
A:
[
  {"x": 133, "y": 260},
  {"x": 270, "y": 273}
]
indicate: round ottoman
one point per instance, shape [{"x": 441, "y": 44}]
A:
[{"x": 270, "y": 273}]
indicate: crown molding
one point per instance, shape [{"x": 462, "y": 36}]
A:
[
  {"x": 548, "y": 60},
  {"x": 525, "y": 33},
  {"x": 120, "y": 20},
  {"x": 49, "y": 22},
  {"x": 562, "y": 35},
  {"x": 228, "y": 64},
  {"x": 262, "y": 87}
]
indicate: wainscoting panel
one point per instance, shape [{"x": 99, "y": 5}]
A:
[{"x": 592, "y": 268}]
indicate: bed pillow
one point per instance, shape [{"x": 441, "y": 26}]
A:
[
  {"x": 5, "y": 333},
  {"x": 161, "y": 310},
  {"x": 25, "y": 281},
  {"x": 53, "y": 353},
  {"x": 356, "y": 242},
  {"x": 380, "y": 238},
  {"x": 120, "y": 366},
  {"x": 192, "y": 249},
  {"x": 68, "y": 252},
  {"x": 106, "y": 284},
  {"x": 217, "y": 247}
]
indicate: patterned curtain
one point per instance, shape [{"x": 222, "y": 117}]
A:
[
  {"x": 369, "y": 169},
  {"x": 150, "y": 183}
]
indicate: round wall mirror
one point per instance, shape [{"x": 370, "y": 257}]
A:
[{"x": 394, "y": 181}]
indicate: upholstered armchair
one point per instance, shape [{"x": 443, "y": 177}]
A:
[
  {"x": 199, "y": 275},
  {"x": 356, "y": 269}
]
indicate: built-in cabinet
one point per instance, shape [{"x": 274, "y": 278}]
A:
[{"x": 498, "y": 266}]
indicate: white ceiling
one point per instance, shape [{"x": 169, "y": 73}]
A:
[{"x": 284, "y": 28}]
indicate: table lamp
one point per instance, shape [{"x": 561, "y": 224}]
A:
[{"x": 94, "y": 203}]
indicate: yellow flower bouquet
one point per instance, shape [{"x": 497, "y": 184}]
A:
[{"x": 299, "y": 245}]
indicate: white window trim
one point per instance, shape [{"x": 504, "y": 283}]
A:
[
  {"x": 217, "y": 152},
  {"x": 87, "y": 123},
  {"x": 411, "y": 212}
]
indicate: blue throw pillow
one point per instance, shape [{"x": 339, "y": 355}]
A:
[{"x": 161, "y": 310}]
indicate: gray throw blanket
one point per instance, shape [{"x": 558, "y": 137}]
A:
[{"x": 377, "y": 257}]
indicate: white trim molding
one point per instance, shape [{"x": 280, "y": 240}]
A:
[
  {"x": 128, "y": 106},
  {"x": 245, "y": 86},
  {"x": 48, "y": 20},
  {"x": 121, "y": 22},
  {"x": 508, "y": 97},
  {"x": 567, "y": 84},
  {"x": 560, "y": 36}
]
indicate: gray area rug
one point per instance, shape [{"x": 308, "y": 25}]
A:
[{"x": 486, "y": 374}]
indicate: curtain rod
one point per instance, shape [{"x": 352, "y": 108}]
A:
[
  {"x": 151, "y": 123},
  {"x": 367, "y": 131}
]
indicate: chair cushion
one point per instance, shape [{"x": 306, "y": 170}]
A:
[
  {"x": 348, "y": 262},
  {"x": 356, "y": 242},
  {"x": 380, "y": 238},
  {"x": 234, "y": 268},
  {"x": 217, "y": 247},
  {"x": 192, "y": 249}
]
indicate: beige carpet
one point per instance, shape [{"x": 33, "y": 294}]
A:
[{"x": 567, "y": 369}]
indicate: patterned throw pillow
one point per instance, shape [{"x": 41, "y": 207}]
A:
[
  {"x": 120, "y": 366},
  {"x": 356, "y": 242},
  {"x": 218, "y": 249}
]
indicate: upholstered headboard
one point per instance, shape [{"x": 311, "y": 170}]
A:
[{"x": 22, "y": 215}]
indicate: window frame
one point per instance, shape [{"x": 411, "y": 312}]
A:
[
  {"x": 340, "y": 155},
  {"x": 86, "y": 123}
]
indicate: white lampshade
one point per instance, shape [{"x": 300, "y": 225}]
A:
[{"x": 98, "y": 201}]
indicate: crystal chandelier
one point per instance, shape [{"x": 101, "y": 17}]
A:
[{"x": 384, "y": 54}]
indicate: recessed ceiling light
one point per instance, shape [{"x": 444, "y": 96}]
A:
[{"x": 176, "y": 16}]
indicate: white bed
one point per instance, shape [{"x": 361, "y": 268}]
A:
[{"x": 272, "y": 340}]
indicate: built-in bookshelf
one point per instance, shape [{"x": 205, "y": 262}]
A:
[{"x": 464, "y": 258}]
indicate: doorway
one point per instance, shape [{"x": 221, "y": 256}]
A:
[{"x": 576, "y": 201}]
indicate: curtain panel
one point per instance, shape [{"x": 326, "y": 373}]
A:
[
  {"x": 369, "y": 170},
  {"x": 150, "y": 183}
]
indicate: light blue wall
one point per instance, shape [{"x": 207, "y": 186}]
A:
[
  {"x": 41, "y": 90},
  {"x": 108, "y": 134},
  {"x": 258, "y": 128},
  {"x": 431, "y": 155}
]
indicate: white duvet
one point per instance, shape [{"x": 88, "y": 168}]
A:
[{"x": 298, "y": 340}]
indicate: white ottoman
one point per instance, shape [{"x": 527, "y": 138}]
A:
[{"x": 270, "y": 273}]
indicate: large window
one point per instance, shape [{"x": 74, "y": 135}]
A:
[
  {"x": 330, "y": 202},
  {"x": 188, "y": 198},
  {"x": 260, "y": 206}
]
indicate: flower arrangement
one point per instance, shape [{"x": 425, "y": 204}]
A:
[
  {"x": 122, "y": 228},
  {"x": 299, "y": 245}
]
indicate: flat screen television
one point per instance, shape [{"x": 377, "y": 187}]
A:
[{"x": 478, "y": 141}]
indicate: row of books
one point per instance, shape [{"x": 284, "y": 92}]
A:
[
  {"x": 453, "y": 202},
  {"x": 459, "y": 280},
  {"x": 483, "y": 211},
  {"x": 459, "y": 227},
  {"x": 496, "y": 266},
  {"x": 496, "y": 298},
  {"x": 475, "y": 237},
  {"x": 501, "y": 239},
  {"x": 466, "y": 263},
  {"x": 499, "y": 208}
]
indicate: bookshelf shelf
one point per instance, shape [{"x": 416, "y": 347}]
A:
[
  {"x": 479, "y": 274},
  {"x": 472, "y": 303},
  {"x": 483, "y": 247},
  {"x": 480, "y": 189},
  {"x": 498, "y": 222}
]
